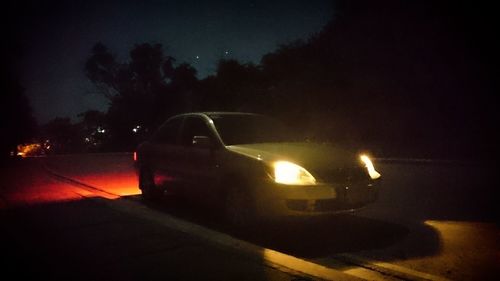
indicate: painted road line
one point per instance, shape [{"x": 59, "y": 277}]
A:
[{"x": 390, "y": 269}]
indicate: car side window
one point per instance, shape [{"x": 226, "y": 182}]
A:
[
  {"x": 168, "y": 133},
  {"x": 194, "y": 126}
]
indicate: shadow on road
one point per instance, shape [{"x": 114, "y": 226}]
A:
[
  {"x": 86, "y": 240},
  {"x": 314, "y": 237},
  {"x": 318, "y": 237}
]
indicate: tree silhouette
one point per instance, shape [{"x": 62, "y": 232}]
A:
[
  {"x": 396, "y": 75},
  {"x": 16, "y": 116},
  {"x": 235, "y": 87},
  {"x": 143, "y": 91},
  {"x": 405, "y": 79},
  {"x": 103, "y": 70}
]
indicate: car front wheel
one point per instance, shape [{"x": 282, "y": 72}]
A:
[{"x": 240, "y": 207}]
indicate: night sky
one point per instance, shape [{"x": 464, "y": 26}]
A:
[{"x": 55, "y": 39}]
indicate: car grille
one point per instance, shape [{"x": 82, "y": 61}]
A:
[
  {"x": 332, "y": 204},
  {"x": 328, "y": 205},
  {"x": 343, "y": 175}
]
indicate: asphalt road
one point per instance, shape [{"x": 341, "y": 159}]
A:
[
  {"x": 432, "y": 221},
  {"x": 54, "y": 229}
]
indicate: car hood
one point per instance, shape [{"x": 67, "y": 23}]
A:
[{"x": 312, "y": 156}]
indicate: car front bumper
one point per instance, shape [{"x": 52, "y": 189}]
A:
[{"x": 282, "y": 200}]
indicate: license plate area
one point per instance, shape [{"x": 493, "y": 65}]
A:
[{"x": 357, "y": 194}]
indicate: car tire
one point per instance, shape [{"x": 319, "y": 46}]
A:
[
  {"x": 240, "y": 210},
  {"x": 149, "y": 190}
]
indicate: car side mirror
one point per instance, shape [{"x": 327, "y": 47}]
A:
[{"x": 202, "y": 142}]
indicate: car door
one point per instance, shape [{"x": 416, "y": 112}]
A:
[
  {"x": 200, "y": 166},
  {"x": 166, "y": 153}
]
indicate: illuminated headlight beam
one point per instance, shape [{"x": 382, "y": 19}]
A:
[
  {"x": 292, "y": 174},
  {"x": 369, "y": 165}
]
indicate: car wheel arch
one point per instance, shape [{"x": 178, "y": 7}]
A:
[{"x": 148, "y": 188}]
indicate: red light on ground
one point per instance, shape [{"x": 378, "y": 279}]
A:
[
  {"x": 135, "y": 156},
  {"x": 122, "y": 183}
]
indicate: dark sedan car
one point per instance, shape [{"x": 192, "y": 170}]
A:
[{"x": 252, "y": 166}]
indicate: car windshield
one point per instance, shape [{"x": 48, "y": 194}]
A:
[{"x": 250, "y": 128}]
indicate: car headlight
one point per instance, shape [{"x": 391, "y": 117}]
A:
[
  {"x": 369, "y": 166},
  {"x": 292, "y": 174}
]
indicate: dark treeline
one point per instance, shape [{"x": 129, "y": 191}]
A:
[
  {"x": 400, "y": 79},
  {"x": 16, "y": 115}
]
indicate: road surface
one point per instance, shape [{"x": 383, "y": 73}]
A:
[{"x": 433, "y": 221}]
